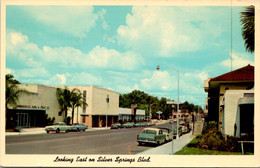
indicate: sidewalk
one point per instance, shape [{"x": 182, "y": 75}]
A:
[
  {"x": 166, "y": 149},
  {"x": 178, "y": 144},
  {"x": 33, "y": 131}
]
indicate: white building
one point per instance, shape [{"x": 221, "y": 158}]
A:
[
  {"x": 238, "y": 112},
  {"x": 31, "y": 109},
  {"x": 127, "y": 114}
]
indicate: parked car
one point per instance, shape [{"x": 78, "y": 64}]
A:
[
  {"x": 116, "y": 126},
  {"x": 128, "y": 125},
  {"x": 184, "y": 129},
  {"x": 57, "y": 127},
  {"x": 79, "y": 127},
  {"x": 168, "y": 133},
  {"x": 147, "y": 124},
  {"x": 152, "y": 136},
  {"x": 137, "y": 124},
  {"x": 175, "y": 131}
]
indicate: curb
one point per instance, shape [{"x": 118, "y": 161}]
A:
[
  {"x": 44, "y": 132},
  {"x": 35, "y": 131}
]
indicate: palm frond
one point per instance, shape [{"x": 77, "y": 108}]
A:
[{"x": 247, "y": 19}]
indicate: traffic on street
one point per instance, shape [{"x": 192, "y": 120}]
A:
[{"x": 110, "y": 141}]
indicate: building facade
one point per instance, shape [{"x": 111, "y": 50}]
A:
[
  {"x": 238, "y": 112},
  {"x": 240, "y": 79},
  {"x": 126, "y": 114},
  {"x": 32, "y": 110}
]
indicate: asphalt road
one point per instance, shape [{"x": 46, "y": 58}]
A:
[{"x": 117, "y": 141}]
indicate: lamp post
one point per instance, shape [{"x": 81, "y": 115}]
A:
[
  {"x": 107, "y": 99},
  {"x": 158, "y": 68}
]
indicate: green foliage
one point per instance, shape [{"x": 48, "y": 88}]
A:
[
  {"x": 197, "y": 151},
  {"x": 135, "y": 97},
  {"x": 247, "y": 19},
  {"x": 195, "y": 141},
  {"x": 69, "y": 99},
  {"x": 12, "y": 92},
  {"x": 232, "y": 144},
  {"x": 212, "y": 125},
  {"x": 47, "y": 120},
  {"x": 213, "y": 140},
  {"x": 76, "y": 100},
  {"x": 146, "y": 102},
  {"x": 150, "y": 103}
]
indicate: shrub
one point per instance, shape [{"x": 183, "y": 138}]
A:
[
  {"x": 195, "y": 141},
  {"x": 232, "y": 144},
  {"x": 212, "y": 125},
  {"x": 213, "y": 139}
]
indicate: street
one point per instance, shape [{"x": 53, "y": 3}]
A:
[{"x": 117, "y": 141}]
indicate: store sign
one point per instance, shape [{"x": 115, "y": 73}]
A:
[{"x": 33, "y": 107}]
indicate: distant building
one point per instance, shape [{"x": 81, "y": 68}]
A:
[
  {"x": 126, "y": 114},
  {"x": 240, "y": 79}
]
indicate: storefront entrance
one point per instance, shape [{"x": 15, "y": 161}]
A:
[{"x": 26, "y": 118}]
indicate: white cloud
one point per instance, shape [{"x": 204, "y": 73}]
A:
[
  {"x": 166, "y": 31},
  {"x": 126, "y": 88},
  {"x": 101, "y": 14},
  {"x": 238, "y": 60},
  {"x": 191, "y": 85},
  {"x": 61, "y": 78},
  {"x": 160, "y": 80},
  {"x": 8, "y": 71},
  {"x": 17, "y": 38},
  {"x": 103, "y": 57},
  {"x": 74, "y": 20},
  {"x": 19, "y": 47},
  {"x": 32, "y": 72},
  {"x": 84, "y": 78}
]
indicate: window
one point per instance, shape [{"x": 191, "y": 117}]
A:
[
  {"x": 83, "y": 119},
  {"x": 84, "y": 99},
  {"x": 248, "y": 94}
]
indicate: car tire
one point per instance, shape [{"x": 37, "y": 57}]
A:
[
  {"x": 58, "y": 130},
  {"x": 67, "y": 131},
  {"x": 78, "y": 130},
  {"x": 158, "y": 143},
  {"x": 140, "y": 143},
  {"x": 48, "y": 132}
]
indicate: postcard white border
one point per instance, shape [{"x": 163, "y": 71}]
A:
[{"x": 156, "y": 160}]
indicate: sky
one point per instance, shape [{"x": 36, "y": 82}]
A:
[{"x": 119, "y": 47}]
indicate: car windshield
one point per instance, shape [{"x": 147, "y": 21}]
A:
[
  {"x": 149, "y": 132},
  {"x": 57, "y": 124}
]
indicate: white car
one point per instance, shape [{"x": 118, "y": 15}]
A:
[
  {"x": 57, "y": 127},
  {"x": 168, "y": 133}
]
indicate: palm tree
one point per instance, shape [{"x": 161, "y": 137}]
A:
[
  {"x": 247, "y": 19},
  {"x": 12, "y": 92},
  {"x": 76, "y": 100},
  {"x": 64, "y": 96}
]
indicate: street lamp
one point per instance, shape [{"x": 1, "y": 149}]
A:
[
  {"x": 178, "y": 102},
  {"x": 107, "y": 99}
]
